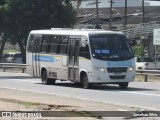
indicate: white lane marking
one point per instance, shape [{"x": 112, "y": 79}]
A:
[
  {"x": 141, "y": 93},
  {"x": 138, "y": 93},
  {"x": 147, "y": 82},
  {"x": 122, "y": 110},
  {"x": 80, "y": 98},
  {"x": 32, "y": 81},
  {"x": 29, "y": 81},
  {"x": 37, "y": 81}
]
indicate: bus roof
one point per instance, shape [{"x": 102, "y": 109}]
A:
[{"x": 59, "y": 31}]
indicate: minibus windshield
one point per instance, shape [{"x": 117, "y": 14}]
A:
[{"x": 112, "y": 47}]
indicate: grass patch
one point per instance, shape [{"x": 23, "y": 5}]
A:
[
  {"x": 136, "y": 108},
  {"x": 7, "y": 51},
  {"x": 27, "y": 104},
  {"x": 141, "y": 78},
  {"x": 23, "y": 103},
  {"x": 68, "y": 110}
]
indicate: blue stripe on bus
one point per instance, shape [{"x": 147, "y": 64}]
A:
[
  {"x": 119, "y": 64},
  {"x": 43, "y": 58}
]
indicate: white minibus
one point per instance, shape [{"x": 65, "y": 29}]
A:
[{"x": 85, "y": 56}]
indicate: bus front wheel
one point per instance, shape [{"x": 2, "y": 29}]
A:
[
  {"x": 46, "y": 80},
  {"x": 123, "y": 85},
  {"x": 84, "y": 80}
]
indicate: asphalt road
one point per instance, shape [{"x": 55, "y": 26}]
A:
[{"x": 139, "y": 94}]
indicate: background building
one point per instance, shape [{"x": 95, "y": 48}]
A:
[
  {"x": 135, "y": 29},
  {"x": 106, "y": 3}
]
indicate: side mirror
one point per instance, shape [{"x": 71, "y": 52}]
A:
[
  {"x": 83, "y": 43},
  {"x": 132, "y": 43}
]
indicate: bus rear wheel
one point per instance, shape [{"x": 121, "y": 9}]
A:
[
  {"x": 77, "y": 84},
  {"x": 46, "y": 80},
  {"x": 85, "y": 83},
  {"x": 123, "y": 85}
]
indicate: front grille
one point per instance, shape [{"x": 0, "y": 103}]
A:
[
  {"x": 117, "y": 69},
  {"x": 118, "y": 77}
]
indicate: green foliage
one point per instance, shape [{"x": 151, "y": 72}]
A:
[
  {"x": 19, "y": 17},
  {"x": 26, "y": 15},
  {"x": 138, "y": 50},
  {"x": 78, "y": 3},
  {"x": 7, "y": 51},
  {"x": 158, "y": 49}
]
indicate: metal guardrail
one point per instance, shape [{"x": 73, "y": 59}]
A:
[
  {"x": 147, "y": 73},
  {"x": 5, "y": 66}
]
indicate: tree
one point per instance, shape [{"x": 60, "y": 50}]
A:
[
  {"x": 4, "y": 25},
  {"x": 22, "y": 16},
  {"x": 78, "y": 3},
  {"x": 125, "y": 22},
  {"x": 143, "y": 11}
]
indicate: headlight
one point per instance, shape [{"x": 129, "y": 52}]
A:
[
  {"x": 131, "y": 68},
  {"x": 100, "y": 69}
]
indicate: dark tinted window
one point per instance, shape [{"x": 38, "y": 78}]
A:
[
  {"x": 53, "y": 44},
  {"x": 44, "y": 43},
  {"x": 110, "y": 47},
  {"x": 34, "y": 43},
  {"x": 30, "y": 43},
  {"x": 6, "y": 55},
  {"x": 18, "y": 55},
  {"x": 84, "y": 52},
  {"x": 63, "y": 44},
  {"x": 144, "y": 59}
]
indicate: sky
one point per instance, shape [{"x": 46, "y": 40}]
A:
[
  {"x": 154, "y": 2},
  {"x": 118, "y": 3}
]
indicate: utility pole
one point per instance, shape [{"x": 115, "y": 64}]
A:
[
  {"x": 125, "y": 22},
  {"x": 97, "y": 18},
  {"x": 143, "y": 11},
  {"x": 97, "y": 23},
  {"x": 110, "y": 15}
]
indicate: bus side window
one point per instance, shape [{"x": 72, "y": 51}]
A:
[
  {"x": 63, "y": 45},
  {"x": 44, "y": 43},
  {"x": 53, "y": 44},
  {"x": 30, "y": 43},
  {"x": 84, "y": 52},
  {"x": 37, "y": 44}
]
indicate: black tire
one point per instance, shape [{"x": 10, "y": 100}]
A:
[
  {"x": 46, "y": 80},
  {"x": 123, "y": 85},
  {"x": 77, "y": 84},
  {"x": 51, "y": 81},
  {"x": 85, "y": 83}
]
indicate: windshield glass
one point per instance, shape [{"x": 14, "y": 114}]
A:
[
  {"x": 18, "y": 55},
  {"x": 144, "y": 59},
  {"x": 110, "y": 47}
]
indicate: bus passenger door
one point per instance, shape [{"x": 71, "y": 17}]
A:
[
  {"x": 73, "y": 58},
  {"x": 36, "y": 57}
]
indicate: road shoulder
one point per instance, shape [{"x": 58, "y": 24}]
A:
[{"x": 14, "y": 100}]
